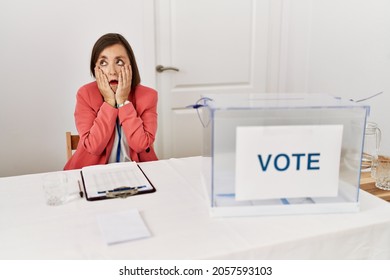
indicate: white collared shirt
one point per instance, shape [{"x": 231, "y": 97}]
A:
[{"x": 124, "y": 147}]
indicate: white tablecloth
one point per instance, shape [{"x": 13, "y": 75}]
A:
[{"x": 177, "y": 216}]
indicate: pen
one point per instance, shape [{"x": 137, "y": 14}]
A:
[
  {"x": 80, "y": 191},
  {"x": 122, "y": 189}
]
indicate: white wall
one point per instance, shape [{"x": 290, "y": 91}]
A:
[
  {"x": 45, "y": 50},
  {"x": 341, "y": 47}
]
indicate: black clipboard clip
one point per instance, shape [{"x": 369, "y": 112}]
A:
[{"x": 121, "y": 192}]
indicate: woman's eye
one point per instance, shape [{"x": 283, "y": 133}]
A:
[
  {"x": 103, "y": 63},
  {"x": 120, "y": 63}
]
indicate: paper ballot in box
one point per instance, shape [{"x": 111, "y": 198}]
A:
[{"x": 267, "y": 154}]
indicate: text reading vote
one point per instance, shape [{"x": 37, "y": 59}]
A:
[{"x": 282, "y": 162}]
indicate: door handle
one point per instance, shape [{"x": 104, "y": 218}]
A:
[{"x": 160, "y": 68}]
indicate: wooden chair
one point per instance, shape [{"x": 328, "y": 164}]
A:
[{"x": 72, "y": 140}]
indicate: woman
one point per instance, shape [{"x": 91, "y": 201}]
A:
[{"x": 116, "y": 116}]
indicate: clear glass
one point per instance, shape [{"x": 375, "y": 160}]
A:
[
  {"x": 382, "y": 180},
  {"x": 55, "y": 187},
  {"x": 372, "y": 140}
]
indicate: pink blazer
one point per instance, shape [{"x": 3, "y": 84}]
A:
[{"x": 96, "y": 121}]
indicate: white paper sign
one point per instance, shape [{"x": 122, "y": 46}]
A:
[{"x": 287, "y": 161}]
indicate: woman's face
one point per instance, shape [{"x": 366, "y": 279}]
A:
[{"x": 111, "y": 60}]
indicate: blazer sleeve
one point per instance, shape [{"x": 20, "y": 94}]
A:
[
  {"x": 140, "y": 122},
  {"x": 95, "y": 120}
]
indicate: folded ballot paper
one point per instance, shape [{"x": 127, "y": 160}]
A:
[
  {"x": 114, "y": 180},
  {"x": 122, "y": 226}
]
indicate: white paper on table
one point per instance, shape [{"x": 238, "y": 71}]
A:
[{"x": 122, "y": 226}]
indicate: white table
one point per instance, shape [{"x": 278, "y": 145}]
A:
[{"x": 177, "y": 216}]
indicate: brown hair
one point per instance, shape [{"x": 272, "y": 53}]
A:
[{"x": 111, "y": 39}]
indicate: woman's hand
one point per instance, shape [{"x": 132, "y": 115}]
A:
[
  {"x": 124, "y": 84},
  {"x": 104, "y": 87}
]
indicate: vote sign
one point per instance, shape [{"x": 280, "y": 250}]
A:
[{"x": 287, "y": 161}]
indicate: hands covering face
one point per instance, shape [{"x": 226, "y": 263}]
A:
[{"x": 114, "y": 89}]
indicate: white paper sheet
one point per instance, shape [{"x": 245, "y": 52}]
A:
[
  {"x": 122, "y": 226},
  {"x": 287, "y": 161}
]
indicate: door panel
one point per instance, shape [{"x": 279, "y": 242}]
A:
[
  {"x": 219, "y": 46},
  {"x": 188, "y": 132}
]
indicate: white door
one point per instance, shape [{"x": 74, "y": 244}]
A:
[{"x": 218, "y": 46}]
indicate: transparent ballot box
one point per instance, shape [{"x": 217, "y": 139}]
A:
[{"x": 271, "y": 154}]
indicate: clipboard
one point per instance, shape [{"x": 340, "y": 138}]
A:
[{"x": 115, "y": 180}]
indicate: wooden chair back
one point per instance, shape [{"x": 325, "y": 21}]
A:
[{"x": 72, "y": 140}]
